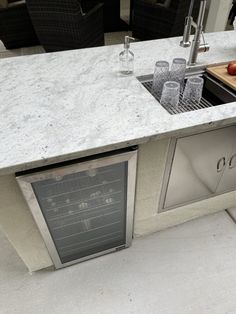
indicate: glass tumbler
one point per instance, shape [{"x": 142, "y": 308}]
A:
[
  {"x": 193, "y": 91},
  {"x": 178, "y": 70},
  {"x": 161, "y": 75},
  {"x": 170, "y": 94}
]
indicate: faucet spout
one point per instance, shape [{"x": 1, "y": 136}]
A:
[{"x": 196, "y": 47}]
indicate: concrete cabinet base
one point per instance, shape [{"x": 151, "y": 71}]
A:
[{"x": 17, "y": 223}]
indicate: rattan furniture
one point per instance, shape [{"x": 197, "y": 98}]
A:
[
  {"x": 111, "y": 17},
  {"x": 63, "y": 25},
  {"x": 16, "y": 29},
  {"x": 232, "y": 13},
  {"x": 154, "y": 20}
]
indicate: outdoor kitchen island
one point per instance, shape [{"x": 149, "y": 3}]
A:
[{"x": 63, "y": 106}]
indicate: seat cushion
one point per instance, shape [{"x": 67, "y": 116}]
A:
[
  {"x": 157, "y": 1},
  {"x": 151, "y": 1}
]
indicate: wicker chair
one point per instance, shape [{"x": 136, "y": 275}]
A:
[
  {"x": 111, "y": 18},
  {"x": 63, "y": 25},
  {"x": 156, "y": 20},
  {"x": 232, "y": 13},
  {"x": 16, "y": 29}
]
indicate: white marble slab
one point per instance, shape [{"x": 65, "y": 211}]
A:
[{"x": 61, "y": 106}]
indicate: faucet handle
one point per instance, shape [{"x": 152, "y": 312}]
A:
[{"x": 204, "y": 47}]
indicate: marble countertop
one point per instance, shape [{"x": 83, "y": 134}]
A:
[{"x": 61, "y": 106}]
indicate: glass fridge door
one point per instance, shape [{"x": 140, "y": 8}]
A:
[{"x": 84, "y": 208}]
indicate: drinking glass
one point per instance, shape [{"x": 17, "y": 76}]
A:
[
  {"x": 193, "y": 90},
  {"x": 178, "y": 70},
  {"x": 170, "y": 94},
  {"x": 161, "y": 75}
]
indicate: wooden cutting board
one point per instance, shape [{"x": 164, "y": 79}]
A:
[{"x": 220, "y": 72}]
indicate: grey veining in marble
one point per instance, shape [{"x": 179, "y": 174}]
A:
[{"x": 60, "y": 106}]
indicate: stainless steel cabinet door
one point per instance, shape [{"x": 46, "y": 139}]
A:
[
  {"x": 198, "y": 165},
  {"x": 228, "y": 180}
]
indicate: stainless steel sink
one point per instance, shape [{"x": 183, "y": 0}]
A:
[{"x": 215, "y": 93}]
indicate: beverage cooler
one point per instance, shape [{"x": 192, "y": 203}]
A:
[{"x": 83, "y": 209}]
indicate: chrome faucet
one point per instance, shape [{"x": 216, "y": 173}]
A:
[{"x": 196, "y": 43}]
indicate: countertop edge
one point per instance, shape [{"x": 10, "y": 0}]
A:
[{"x": 198, "y": 128}]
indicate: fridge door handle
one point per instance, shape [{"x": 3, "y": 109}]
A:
[
  {"x": 221, "y": 164},
  {"x": 232, "y": 162}
]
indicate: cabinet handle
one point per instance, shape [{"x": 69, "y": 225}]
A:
[
  {"x": 221, "y": 164},
  {"x": 232, "y": 162}
]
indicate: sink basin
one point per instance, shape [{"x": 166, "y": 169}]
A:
[{"x": 215, "y": 93}]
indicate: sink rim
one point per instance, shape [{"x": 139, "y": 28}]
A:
[{"x": 146, "y": 81}]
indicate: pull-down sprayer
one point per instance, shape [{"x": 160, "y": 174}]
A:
[{"x": 196, "y": 43}]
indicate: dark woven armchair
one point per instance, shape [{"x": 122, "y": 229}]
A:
[
  {"x": 16, "y": 29},
  {"x": 65, "y": 24},
  {"x": 153, "y": 20},
  {"x": 232, "y": 13},
  {"x": 111, "y": 18}
]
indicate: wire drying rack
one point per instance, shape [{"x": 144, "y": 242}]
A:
[{"x": 182, "y": 106}]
